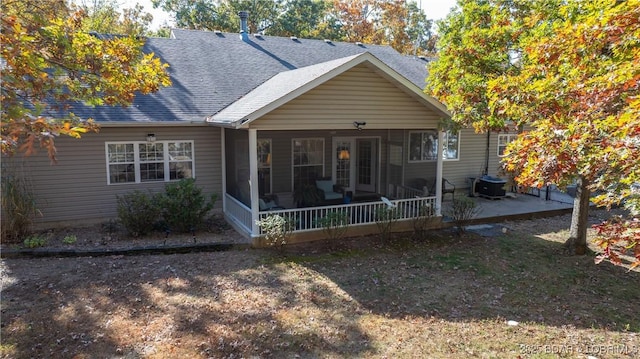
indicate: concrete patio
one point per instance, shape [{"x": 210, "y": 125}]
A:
[{"x": 520, "y": 206}]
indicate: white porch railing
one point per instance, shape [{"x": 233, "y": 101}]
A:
[
  {"x": 239, "y": 212},
  {"x": 410, "y": 192},
  {"x": 306, "y": 219}
]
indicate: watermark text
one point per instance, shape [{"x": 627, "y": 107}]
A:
[{"x": 592, "y": 349}]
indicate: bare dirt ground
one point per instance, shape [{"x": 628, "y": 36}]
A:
[
  {"x": 110, "y": 236},
  {"x": 517, "y": 294}
]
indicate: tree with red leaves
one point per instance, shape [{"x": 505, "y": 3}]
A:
[
  {"x": 578, "y": 88},
  {"x": 569, "y": 73}
]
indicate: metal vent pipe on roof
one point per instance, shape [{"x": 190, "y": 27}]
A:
[{"x": 244, "y": 28}]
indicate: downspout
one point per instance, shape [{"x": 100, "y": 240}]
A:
[
  {"x": 224, "y": 170},
  {"x": 486, "y": 154}
]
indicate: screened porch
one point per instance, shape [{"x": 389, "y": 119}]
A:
[{"x": 305, "y": 175}]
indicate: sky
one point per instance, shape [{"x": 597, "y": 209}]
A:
[{"x": 435, "y": 10}]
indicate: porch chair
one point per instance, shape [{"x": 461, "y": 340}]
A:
[
  {"x": 269, "y": 203},
  {"x": 419, "y": 187},
  {"x": 428, "y": 186},
  {"x": 330, "y": 193},
  {"x": 446, "y": 190}
]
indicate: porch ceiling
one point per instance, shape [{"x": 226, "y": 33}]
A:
[{"x": 288, "y": 85}]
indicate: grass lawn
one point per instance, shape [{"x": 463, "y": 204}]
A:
[{"x": 446, "y": 297}]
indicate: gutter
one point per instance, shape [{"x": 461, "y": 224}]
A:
[
  {"x": 152, "y": 124},
  {"x": 233, "y": 124}
]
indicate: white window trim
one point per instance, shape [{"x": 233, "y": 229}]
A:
[
  {"x": 137, "y": 162},
  {"x": 409, "y": 160},
  {"x": 510, "y": 137},
  {"x": 446, "y": 135},
  {"x": 293, "y": 165}
]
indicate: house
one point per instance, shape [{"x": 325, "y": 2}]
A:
[{"x": 250, "y": 116}]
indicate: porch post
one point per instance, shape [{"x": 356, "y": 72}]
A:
[
  {"x": 253, "y": 180},
  {"x": 439, "y": 173},
  {"x": 223, "y": 151}
]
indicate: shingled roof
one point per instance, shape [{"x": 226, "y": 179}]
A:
[{"x": 210, "y": 71}]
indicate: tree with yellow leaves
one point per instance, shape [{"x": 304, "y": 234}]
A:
[
  {"x": 569, "y": 73},
  {"x": 49, "y": 65}
]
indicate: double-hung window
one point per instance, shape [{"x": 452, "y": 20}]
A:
[
  {"x": 503, "y": 141},
  {"x": 151, "y": 157},
  {"x": 160, "y": 161},
  {"x": 451, "y": 146}
]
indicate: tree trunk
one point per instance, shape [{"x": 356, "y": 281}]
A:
[{"x": 579, "y": 218}]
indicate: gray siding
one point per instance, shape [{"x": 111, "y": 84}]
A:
[
  {"x": 75, "y": 190},
  {"x": 471, "y": 161},
  {"x": 359, "y": 94},
  {"x": 330, "y": 109}
]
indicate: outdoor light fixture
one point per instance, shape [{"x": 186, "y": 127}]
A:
[
  {"x": 359, "y": 125},
  {"x": 344, "y": 155},
  {"x": 151, "y": 137}
]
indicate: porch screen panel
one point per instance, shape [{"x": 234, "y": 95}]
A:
[
  {"x": 264, "y": 166},
  {"x": 308, "y": 161},
  {"x": 423, "y": 146},
  {"x": 343, "y": 163},
  {"x": 237, "y": 164},
  {"x": 365, "y": 153},
  {"x": 395, "y": 168}
]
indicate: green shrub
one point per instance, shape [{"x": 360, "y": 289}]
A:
[
  {"x": 386, "y": 218},
  {"x": 138, "y": 212},
  {"x": 276, "y": 229},
  {"x": 334, "y": 224},
  {"x": 422, "y": 221},
  {"x": 18, "y": 205},
  {"x": 184, "y": 206},
  {"x": 463, "y": 209},
  {"x": 34, "y": 241},
  {"x": 70, "y": 239}
]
